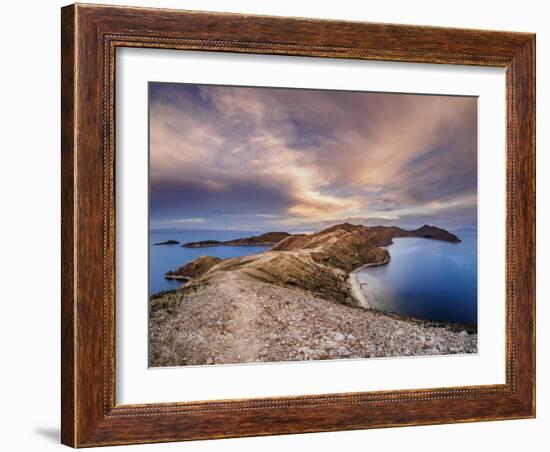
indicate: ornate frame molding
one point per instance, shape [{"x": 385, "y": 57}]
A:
[{"x": 90, "y": 37}]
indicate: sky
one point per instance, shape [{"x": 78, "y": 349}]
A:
[{"x": 266, "y": 159}]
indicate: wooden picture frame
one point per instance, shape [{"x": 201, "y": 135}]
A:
[{"x": 90, "y": 36}]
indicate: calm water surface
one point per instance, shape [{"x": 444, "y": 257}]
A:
[
  {"x": 427, "y": 279},
  {"x": 169, "y": 257}
]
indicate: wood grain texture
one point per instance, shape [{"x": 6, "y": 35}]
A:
[
  {"x": 90, "y": 36},
  {"x": 68, "y": 244}
]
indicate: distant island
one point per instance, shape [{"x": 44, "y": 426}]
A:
[
  {"x": 167, "y": 242},
  {"x": 269, "y": 238},
  {"x": 304, "y": 282}
]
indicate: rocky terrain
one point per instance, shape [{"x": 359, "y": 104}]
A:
[
  {"x": 269, "y": 238},
  {"x": 193, "y": 269},
  {"x": 293, "y": 302}
]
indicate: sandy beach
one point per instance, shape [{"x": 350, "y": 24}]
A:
[{"x": 356, "y": 291}]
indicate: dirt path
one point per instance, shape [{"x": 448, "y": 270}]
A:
[
  {"x": 246, "y": 346},
  {"x": 238, "y": 320}
]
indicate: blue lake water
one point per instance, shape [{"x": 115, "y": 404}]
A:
[
  {"x": 163, "y": 258},
  {"x": 427, "y": 279}
]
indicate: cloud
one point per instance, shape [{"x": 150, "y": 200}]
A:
[
  {"x": 307, "y": 155},
  {"x": 188, "y": 220}
]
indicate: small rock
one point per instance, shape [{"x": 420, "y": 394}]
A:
[{"x": 342, "y": 351}]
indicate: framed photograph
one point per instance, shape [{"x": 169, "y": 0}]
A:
[{"x": 281, "y": 225}]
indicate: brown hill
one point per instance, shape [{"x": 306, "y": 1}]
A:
[
  {"x": 269, "y": 238},
  {"x": 194, "y": 269},
  {"x": 433, "y": 232},
  {"x": 319, "y": 262},
  {"x": 363, "y": 235}
]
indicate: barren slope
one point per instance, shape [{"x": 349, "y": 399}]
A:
[
  {"x": 293, "y": 302},
  {"x": 237, "y": 319}
]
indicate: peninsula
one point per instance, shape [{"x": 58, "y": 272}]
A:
[{"x": 296, "y": 301}]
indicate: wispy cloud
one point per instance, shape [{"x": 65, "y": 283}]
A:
[
  {"x": 189, "y": 220},
  {"x": 306, "y": 156}
]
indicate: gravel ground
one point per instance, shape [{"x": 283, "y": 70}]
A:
[{"x": 234, "y": 319}]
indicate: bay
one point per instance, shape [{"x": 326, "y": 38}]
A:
[{"x": 427, "y": 279}]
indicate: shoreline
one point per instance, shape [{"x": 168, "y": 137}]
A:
[{"x": 357, "y": 293}]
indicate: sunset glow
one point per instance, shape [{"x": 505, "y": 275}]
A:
[{"x": 293, "y": 159}]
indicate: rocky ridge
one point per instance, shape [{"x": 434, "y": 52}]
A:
[{"x": 294, "y": 301}]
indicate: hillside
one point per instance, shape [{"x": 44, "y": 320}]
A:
[
  {"x": 235, "y": 319},
  {"x": 296, "y": 296},
  {"x": 318, "y": 262}
]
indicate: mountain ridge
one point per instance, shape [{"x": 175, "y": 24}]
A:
[
  {"x": 293, "y": 302},
  {"x": 319, "y": 262}
]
